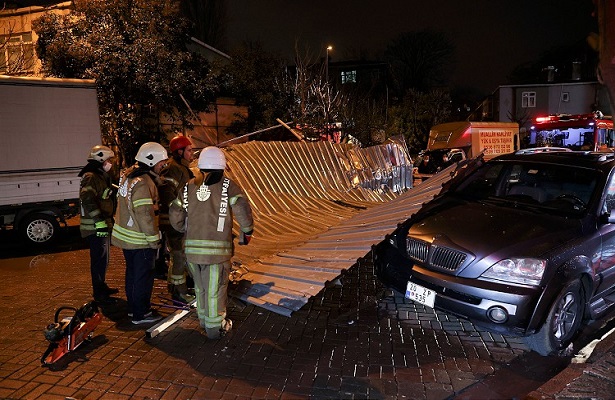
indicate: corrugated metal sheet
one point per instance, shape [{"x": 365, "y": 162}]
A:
[{"x": 317, "y": 208}]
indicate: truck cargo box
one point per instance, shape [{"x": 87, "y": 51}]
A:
[
  {"x": 48, "y": 126},
  {"x": 455, "y": 141},
  {"x": 492, "y": 138}
]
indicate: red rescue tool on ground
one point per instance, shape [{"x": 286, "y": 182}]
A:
[{"x": 66, "y": 334}]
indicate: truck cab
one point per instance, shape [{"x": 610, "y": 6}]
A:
[{"x": 588, "y": 132}]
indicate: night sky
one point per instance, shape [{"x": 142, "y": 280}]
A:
[{"x": 491, "y": 36}]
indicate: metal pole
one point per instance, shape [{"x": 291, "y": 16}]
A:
[
  {"x": 327, "y": 67},
  {"x": 195, "y": 116},
  {"x": 327, "y": 64},
  {"x": 328, "y": 92},
  {"x": 249, "y": 134}
]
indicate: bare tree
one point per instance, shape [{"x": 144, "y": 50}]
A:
[
  {"x": 271, "y": 90},
  {"x": 317, "y": 105},
  {"x": 16, "y": 51}
]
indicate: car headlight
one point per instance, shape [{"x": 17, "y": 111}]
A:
[{"x": 526, "y": 271}]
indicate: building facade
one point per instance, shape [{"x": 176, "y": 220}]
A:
[
  {"x": 18, "y": 58},
  {"x": 18, "y": 40},
  {"x": 524, "y": 103}
]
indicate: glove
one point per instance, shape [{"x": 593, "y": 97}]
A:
[
  {"x": 102, "y": 230},
  {"x": 244, "y": 238},
  {"x": 155, "y": 245}
]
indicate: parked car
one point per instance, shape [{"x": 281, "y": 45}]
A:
[
  {"x": 439, "y": 159},
  {"x": 523, "y": 245},
  {"x": 542, "y": 150}
]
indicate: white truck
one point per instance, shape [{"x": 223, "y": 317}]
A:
[
  {"x": 492, "y": 138},
  {"x": 47, "y": 128}
]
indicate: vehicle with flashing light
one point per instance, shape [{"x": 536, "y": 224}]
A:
[
  {"x": 523, "y": 245},
  {"x": 590, "y": 132}
]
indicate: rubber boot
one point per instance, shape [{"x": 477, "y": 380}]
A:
[
  {"x": 217, "y": 333},
  {"x": 180, "y": 293}
]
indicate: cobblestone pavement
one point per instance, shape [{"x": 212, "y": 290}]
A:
[{"x": 353, "y": 340}]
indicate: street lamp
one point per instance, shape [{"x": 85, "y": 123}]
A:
[
  {"x": 328, "y": 91},
  {"x": 327, "y": 63}
]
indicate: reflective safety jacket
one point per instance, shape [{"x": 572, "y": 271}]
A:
[
  {"x": 174, "y": 176},
  {"x": 204, "y": 210},
  {"x": 96, "y": 198},
  {"x": 136, "y": 222}
]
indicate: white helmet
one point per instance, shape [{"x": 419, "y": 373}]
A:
[
  {"x": 151, "y": 153},
  {"x": 212, "y": 158},
  {"x": 100, "y": 153}
]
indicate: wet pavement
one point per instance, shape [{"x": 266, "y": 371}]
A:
[{"x": 355, "y": 339}]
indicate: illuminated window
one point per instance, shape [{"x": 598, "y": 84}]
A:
[
  {"x": 349, "y": 76},
  {"x": 16, "y": 53},
  {"x": 528, "y": 99}
]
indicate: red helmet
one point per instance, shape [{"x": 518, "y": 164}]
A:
[{"x": 179, "y": 142}]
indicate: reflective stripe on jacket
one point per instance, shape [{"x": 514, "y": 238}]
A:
[
  {"x": 97, "y": 201},
  {"x": 136, "y": 223},
  {"x": 205, "y": 213}
]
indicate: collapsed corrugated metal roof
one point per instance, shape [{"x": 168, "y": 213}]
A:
[{"x": 317, "y": 208}]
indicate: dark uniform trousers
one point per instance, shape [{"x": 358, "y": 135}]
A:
[
  {"x": 139, "y": 280},
  {"x": 99, "y": 259}
]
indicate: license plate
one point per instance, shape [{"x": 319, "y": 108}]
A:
[{"x": 420, "y": 294}]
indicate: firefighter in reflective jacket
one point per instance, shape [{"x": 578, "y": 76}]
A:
[
  {"x": 136, "y": 228},
  {"x": 174, "y": 176},
  {"x": 204, "y": 210},
  {"x": 97, "y": 202}
]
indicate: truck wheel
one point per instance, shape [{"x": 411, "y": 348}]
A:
[
  {"x": 562, "y": 324},
  {"x": 39, "y": 229}
]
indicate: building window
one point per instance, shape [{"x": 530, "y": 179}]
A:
[
  {"x": 528, "y": 99},
  {"x": 565, "y": 96},
  {"x": 16, "y": 53},
  {"x": 349, "y": 76}
]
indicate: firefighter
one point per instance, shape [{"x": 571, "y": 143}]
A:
[
  {"x": 97, "y": 202},
  {"x": 136, "y": 228},
  {"x": 204, "y": 210},
  {"x": 174, "y": 176}
]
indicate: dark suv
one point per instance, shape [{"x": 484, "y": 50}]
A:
[{"x": 522, "y": 245}]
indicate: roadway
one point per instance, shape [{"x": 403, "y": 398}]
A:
[{"x": 354, "y": 339}]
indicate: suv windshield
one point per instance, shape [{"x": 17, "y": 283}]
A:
[{"x": 558, "y": 188}]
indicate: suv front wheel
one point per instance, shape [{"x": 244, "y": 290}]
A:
[{"x": 562, "y": 323}]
